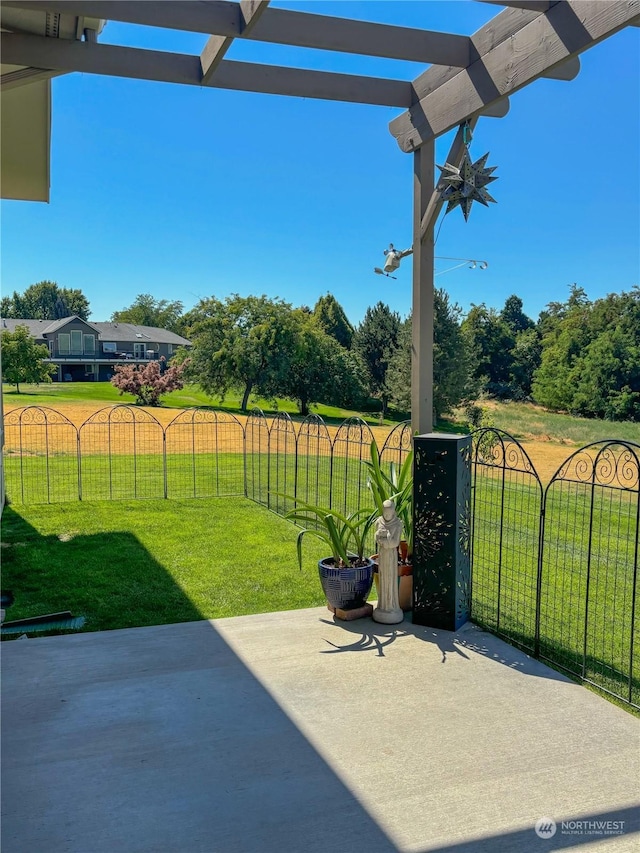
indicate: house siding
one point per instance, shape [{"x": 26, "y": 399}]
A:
[{"x": 82, "y": 363}]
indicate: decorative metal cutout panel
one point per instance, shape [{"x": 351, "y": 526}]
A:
[{"x": 441, "y": 557}]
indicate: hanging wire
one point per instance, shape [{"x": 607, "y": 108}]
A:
[
  {"x": 439, "y": 227},
  {"x": 451, "y": 269}
]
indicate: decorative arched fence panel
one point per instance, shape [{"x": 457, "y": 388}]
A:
[
  {"x": 398, "y": 444},
  {"x": 122, "y": 455},
  {"x": 257, "y": 457},
  {"x": 41, "y": 456},
  {"x": 313, "y": 472},
  {"x": 505, "y": 537},
  {"x": 589, "y": 624},
  {"x": 351, "y": 447},
  {"x": 282, "y": 463},
  {"x": 204, "y": 452}
]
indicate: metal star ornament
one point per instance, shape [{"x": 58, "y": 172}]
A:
[{"x": 462, "y": 186}]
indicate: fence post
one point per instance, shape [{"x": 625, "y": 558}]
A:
[
  {"x": 79, "y": 452},
  {"x": 536, "y": 638},
  {"x": 164, "y": 464},
  {"x": 442, "y": 517}
]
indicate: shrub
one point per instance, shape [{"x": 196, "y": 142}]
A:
[{"x": 148, "y": 382}]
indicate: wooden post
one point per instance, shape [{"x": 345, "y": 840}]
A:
[{"x": 422, "y": 340}]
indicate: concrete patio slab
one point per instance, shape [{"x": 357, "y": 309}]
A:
[{"x": 288, "y": 732}]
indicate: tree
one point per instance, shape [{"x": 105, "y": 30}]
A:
[
  {"x": 591, "y": 356},
  {"x": 321, "y": 370},
  {"x": 452, "y": 365},
  {"x": 525, "y": 355},
  {"x": 490, "y": 342},
  {"x": 45, "y": 301},
  {"x": 244, "y": 342},
  {"x": 147, "y": 311},
  {"x": 514, "y": 316},
  {"x": 23, "y": 359},
  {"x": 376, "y": 340},
  {"x": 148, "y": 382},
  {"x": 331, "y": 318}
]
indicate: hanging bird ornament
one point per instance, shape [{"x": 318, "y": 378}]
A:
[{"x": 462, "y": 186}]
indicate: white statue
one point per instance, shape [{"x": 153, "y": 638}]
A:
[{"x": 388, "y": 535}]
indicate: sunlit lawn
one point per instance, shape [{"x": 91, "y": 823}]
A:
[{"x": 103, "y": 393}]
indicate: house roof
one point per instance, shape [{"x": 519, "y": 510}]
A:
[
  {"x": 124, "y": 332},
  {"x": 130, "y": 332}
]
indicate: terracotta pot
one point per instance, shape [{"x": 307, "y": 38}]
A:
[{"x": 405, "y": 582}]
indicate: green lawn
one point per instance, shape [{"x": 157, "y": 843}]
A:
[
  {"x": 103, "y": 393},
  {"x": 141, "y": 563},
  {"x": 585, "y": 543},
  {"x": 522, "y": 420}
]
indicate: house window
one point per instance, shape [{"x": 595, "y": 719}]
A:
[
  {"x": 90, "y": 369},
  {"x": 108, "y": 346},
  {"x": 64, "y": 343},
  {"x": 51, "y": 349},
  {"x": 89, "y": 344},
  {"x": 170, "y": 349},
  {"x": 76, "y": 342},
  {"x": 139, "y": 350}
]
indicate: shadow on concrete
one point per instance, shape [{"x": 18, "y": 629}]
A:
[
  {"x": 370, "y": 636},
  {"x": 161, "y": 739},
  {"x": 580, "y": 830},
  {"x": 149, "y": 739}
]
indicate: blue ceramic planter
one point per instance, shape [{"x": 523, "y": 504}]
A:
[{"x": 348, "y": 588}]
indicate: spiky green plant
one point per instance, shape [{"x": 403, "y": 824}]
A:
[
  {"x": 397, "y": 486},
  {"x": 344, "y": 534}
]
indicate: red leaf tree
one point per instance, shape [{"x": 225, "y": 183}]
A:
[{"x": 148, "y": 382}]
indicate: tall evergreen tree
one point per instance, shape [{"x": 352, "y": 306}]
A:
[
  {"x": 331, "y": 318},
  {"x": 491, "y": 342},
  {"x": 376, "y": 340},
  {"x": 514, "y": 316},
  {"x": 452, "y": 363}
]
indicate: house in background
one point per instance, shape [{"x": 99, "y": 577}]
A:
[{"x": 86, "y": 352}]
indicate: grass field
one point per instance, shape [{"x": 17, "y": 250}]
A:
[
  {"x": 527, "y": 421},
  {"x": 547, "y": 437},
  {"x": 94, "y": 394},
  {"x": 154, "y": 562}
]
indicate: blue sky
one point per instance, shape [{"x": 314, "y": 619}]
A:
[{"x": 187, "y": 193}]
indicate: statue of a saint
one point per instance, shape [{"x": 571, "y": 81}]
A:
[{"x": 388, "y": 535}]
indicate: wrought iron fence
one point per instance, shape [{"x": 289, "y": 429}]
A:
[{"x": 554, "y": 569}]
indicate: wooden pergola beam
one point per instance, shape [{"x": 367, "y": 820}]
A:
[
  {"x": 569, "y": 28},
  {"x": 499, "y": 29},
  {"x": 216, "y": 46},
  {"x": 305, "y": 29},
  {"x": 63, "y": 55},
  {"x": 531, "y": 5},
  {"x": 278, "y": 26}
]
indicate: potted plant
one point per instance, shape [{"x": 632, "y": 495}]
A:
[
  {"x": 347, "y": 575},
  {"x": 397, "y": 486}
]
